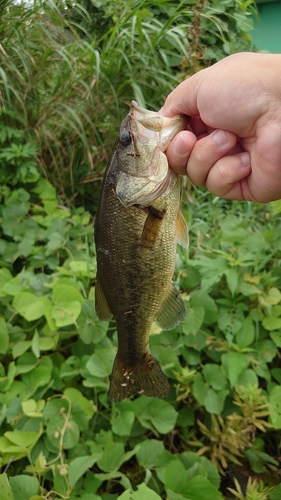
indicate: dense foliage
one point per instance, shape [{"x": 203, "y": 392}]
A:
[
  {"x": 68, "y": 71},
  {"x": 64, "y": 71}
]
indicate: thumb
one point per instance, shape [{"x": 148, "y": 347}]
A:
[{"x": 183, "y": 99}]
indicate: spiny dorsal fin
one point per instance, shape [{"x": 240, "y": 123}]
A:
[
  {"x": 182, "y": 231},
  {"x": 102, "y": 307},
  {"x": 172, "y": 311}
]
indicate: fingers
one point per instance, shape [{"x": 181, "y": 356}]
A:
[
  {"x": 225, "y": 176},
  {"x": 179, "y": 150},
  {"x": 206, "y": 152}
]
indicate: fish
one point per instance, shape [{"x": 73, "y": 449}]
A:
[{"x": 137, "y": 227}]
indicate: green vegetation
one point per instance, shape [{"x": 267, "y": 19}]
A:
[{"x": 65, "y": 73}]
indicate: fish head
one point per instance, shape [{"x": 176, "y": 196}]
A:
[{"x": 144, "y": 173}]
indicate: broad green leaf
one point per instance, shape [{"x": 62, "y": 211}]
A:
[
  {"x": 101, "y": 362},
  {"x": 20, "y": 348},
  {"x": 275, "y": 407},
  {"x": 76, "y": 396},
  {"x": 276, "y": 338},
  {"x": 204, "y": 300},
  {"x": 275, "y": 493},
  {"x": 214, "y": 376},
  {"x": 214, "y": 401},
  {"x": 201, "y": 487},
  {"x": 142, "y": 493},
  {"x": 189, "y": 458},
  {"x": 247, "y": 378},
  {"x": 273, "y": 296},
  {"x": 122, "y": 421},
  {"x": 70, "y": 435},
  {"x": 232, "y": 279},
  {"x": 38, "y": 377},
  {"x": 6, "y": 492},
  {"x": 66, "y": 293},
  {"x": 194, "y": 320},
  {"x": 271, "y": 323},
  {"x": 24, "y": 439},
  {"x": 4, "y": 336},
  {"x": 246, "y": 334},
  {"x": 79, "y": 466},
  {"x": 149, "y": 452},
  {"x": 200, "y": 388},
  {"x": 28, "y": 305},
  {"x": 266, "y": 350},
  {"x": 24, "y": 487},
  {"x": 175, "y": 476},
  {"x": 33, "y": 408},
  {"x": 90, "y": 328},
  {"x": 158, "y": 408},
  {"x": 112, "y": 457},
  {"x": 5, "y": 277},
  {"x": 66, "y": 313},
  {"x": 235, "y": 363}
]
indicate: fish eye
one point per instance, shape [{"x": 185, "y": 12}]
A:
[{"x": 125, "y": 138}]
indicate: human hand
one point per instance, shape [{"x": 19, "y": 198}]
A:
[{"x": 233, "y": 142}]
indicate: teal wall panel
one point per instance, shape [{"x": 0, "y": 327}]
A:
[{"x": 266, "y": 34}]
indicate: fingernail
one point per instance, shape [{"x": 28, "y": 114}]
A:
[
  {"x": 220, "y": 137},
  {"x": 245, "y": 159},
  {"x": 180, "y": 147}
]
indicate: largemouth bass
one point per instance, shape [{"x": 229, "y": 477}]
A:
[{"x": 137, "y": 227}]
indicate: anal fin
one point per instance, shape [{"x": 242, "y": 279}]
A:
[
  {"x": 102, "y": 307},
  {"x": 172, "y": 311}
]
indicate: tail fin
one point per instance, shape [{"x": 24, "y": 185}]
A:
[{"x": 144, "y": 377}]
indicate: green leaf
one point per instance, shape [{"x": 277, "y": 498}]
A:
[
  {"x": 79, "y": 466},
  {"x": 76, "y": 396},
  {"x": 175, "y": 476},
  {"x": 200, "y": 487},
  {"x": 24, "y": 487},
  {"x": 149, "y": 452},
  {"x": 4, "y": 336},
  {"x": 235, "y": 363},
  {"x": 200, "y": 388},
  {"x": 90, "y": 328},
  {"x": 122, "y": 421},
  {"x": 158, "y": 408},
  {"x": 24, "y": 439},
  {"x": 66, "y": 293},
  {"x": 101, "y": 362},
  {"x": 214, "y": 401},
  {"x": 6, "y": 492},
  {"x": 142, "y": 493},
  {"x": 246, "y": 334},
  {"x": 112, "y": 457},
  {"x": 28, "y": 305},
  {"x": 71, "y": 433},
  {"x": 231, "y": 279},
  {"x": 271, "y": 323},
  {"x": 275, "y": 493},
  {"x": 194, "y": 320},
  {"x": 275, "y": 407},
  {"x": 66, "y": 313},
  {"x": 214, "y": 376}
]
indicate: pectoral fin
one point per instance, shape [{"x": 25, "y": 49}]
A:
[
  {"x": 102, "y": 307},
  {"x": 151, "y": 227},
  {"x": 182, "y": 231},
  {"x": 172, "y": 311}
]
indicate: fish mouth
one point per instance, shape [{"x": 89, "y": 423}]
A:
[{"x": 144, "y": 173}]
